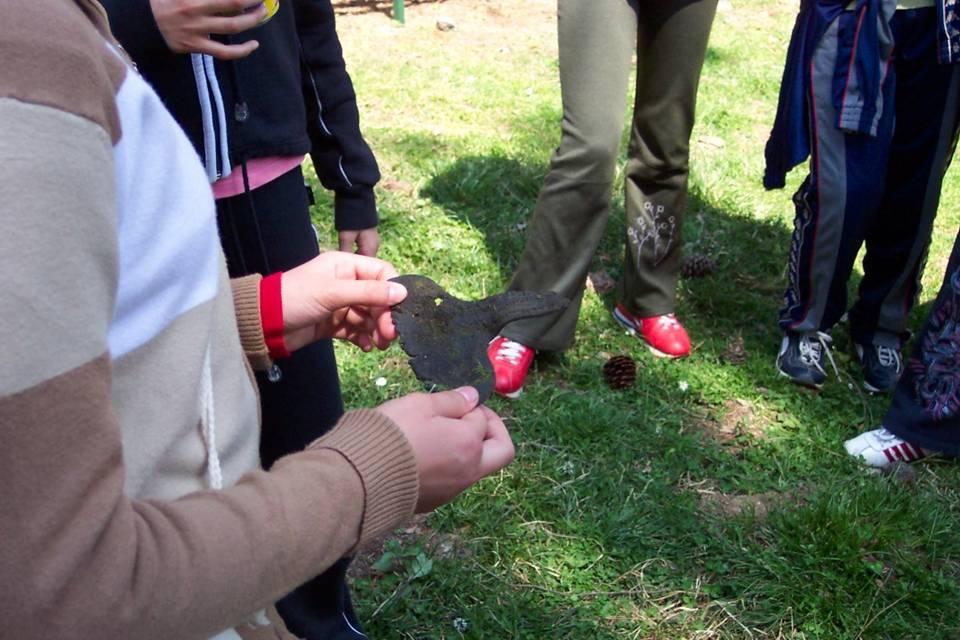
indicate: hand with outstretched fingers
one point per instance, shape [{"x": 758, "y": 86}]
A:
[
  {"x": 340, "y": 295},
  {"x": 366, "y": 241},
  {"x": 186, "y": 25},
  {"x": 456, "y": 442}
]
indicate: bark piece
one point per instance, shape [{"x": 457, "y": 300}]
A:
[{"x": 446, "y": 338}]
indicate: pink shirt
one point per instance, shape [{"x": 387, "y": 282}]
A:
[{"x": 260, "y": 171}]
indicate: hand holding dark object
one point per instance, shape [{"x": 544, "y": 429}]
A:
[
  {"x": 455, "y": 441},
  {"x": 186, "y": 25},
  {"x": 446, "y": 338},
  {"x": 340, "y": 295}
]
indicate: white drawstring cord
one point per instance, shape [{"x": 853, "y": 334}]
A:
[
  {"x": 208, "y": 421},
  {"x": 206, "y": 116},
  {"x": 211, "y": 72}
]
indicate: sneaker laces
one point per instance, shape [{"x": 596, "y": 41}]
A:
[
  {"x": 888, "y": 440},
  {"x": 883, "y": 436},
  {"x": 510, "y": 351},
  {"x": 889, "y": 357},
  {"x": 668, "y": 321},
  {"x": 813, "y": 346}
]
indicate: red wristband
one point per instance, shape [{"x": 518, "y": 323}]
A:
[{"x": 271, "y": 315}]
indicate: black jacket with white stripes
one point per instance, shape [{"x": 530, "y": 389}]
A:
[{"x": 291, "y": 96}]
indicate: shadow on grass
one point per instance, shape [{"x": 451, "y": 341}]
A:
[
  {"x": 626, "y": 494},
  {"x": 739, "y": 301},
  {"x": 496, "y": 195}
]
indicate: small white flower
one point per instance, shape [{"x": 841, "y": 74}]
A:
[
  {"x": 461, "y": 624},
  {"x": 568, "y": 468},
  {"x": 380, "y": 382},
  {"x": 684, "y": 385}
]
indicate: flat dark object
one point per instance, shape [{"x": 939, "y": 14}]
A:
[{"x": 446, "y": 338}]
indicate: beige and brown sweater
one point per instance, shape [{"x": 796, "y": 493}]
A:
[{"x": 126, "y": 400}]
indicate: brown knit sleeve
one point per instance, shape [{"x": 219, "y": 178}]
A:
[
  {"x": 246, "y": 301},
  {"x": 385, "y": 461}
]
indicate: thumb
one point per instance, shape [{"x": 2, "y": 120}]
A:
[
  {"x": 367, "y": 293},
  {"x": 498, "y": 448},
  {"x": 456, "y": 403}
]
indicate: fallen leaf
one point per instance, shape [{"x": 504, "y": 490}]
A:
[{"x": 600, "y": 282}]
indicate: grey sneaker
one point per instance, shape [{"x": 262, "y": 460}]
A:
[
  {"x": 882, "y": 367},
  {"x": 801, "y": 357}
]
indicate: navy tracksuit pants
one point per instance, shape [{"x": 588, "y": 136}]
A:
[
  {"x": 926, "y": 404},
  {"x": 265, "y": 231},
  {"x": 880, "y": 191}
]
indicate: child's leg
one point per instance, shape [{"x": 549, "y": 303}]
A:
[
  {"x": 597, "y": 40},
  {"x": 839, "y": 197},
  {"x": 923, "y": 143},
  {"x": 926, "y": 405},
  {"x": 671, "y": 47}
]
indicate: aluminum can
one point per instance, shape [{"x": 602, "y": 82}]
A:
[{"x": 272, "y": 7}]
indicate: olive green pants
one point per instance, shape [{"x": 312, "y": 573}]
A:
[{"x": 597, "y": 40}]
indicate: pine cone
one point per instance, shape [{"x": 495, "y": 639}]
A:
[
  {"x": 736, "y": 352},
  {"x": 697, "y": 266},
  {"x": 620, "y": 372}
]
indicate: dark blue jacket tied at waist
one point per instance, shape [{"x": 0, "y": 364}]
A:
[{"x": 864, "y": 46}]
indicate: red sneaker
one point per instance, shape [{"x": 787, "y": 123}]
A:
[
  {"x": 511, "y": 361},
  {"x": 664, "y": 334}
]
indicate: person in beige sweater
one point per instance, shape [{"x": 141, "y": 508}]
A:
[{"x": 131, "y": 503}]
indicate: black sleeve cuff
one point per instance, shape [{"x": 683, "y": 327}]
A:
[{"x": 355, "y": 209}]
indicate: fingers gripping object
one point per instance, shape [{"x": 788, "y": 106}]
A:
[{"x": 446, "y": 338}]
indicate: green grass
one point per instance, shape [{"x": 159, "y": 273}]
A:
[{"x": 711, "y": 500}]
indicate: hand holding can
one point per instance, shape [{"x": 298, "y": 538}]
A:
[{"x": 187, "y": 25}]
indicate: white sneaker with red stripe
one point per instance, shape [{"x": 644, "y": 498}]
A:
[{"x": 880, "y": 448}]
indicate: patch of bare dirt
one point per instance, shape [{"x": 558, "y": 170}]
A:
[
  {"x": 712, "y": 501},
  {"x": 375, "y": 6},
  {"x": 483, "y": 23},
  {"x": 739, "y": 417},
  {"x": 398, "y": 186},
  {"x": 416, "y": 534},
  {"x": 728, "y": 426},
  {"x": 729, "y": 505}
]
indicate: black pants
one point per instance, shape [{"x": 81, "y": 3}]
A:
[{"x": 265, "y": 231}]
